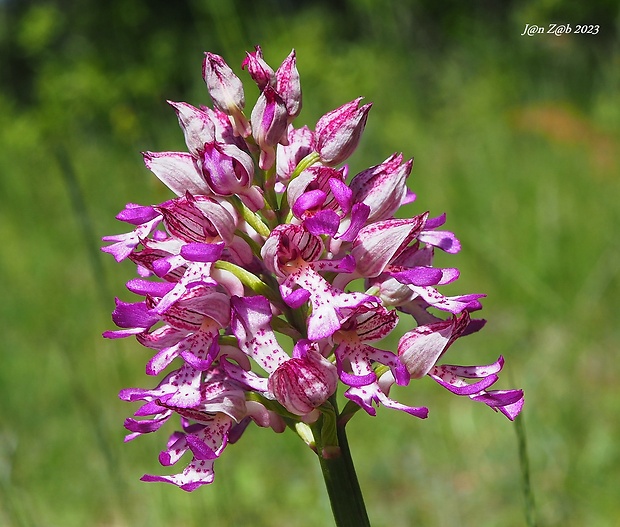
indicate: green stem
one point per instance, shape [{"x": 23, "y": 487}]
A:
[
  {"x": 249, "y": 279},
  {"x": 528, "y": 494},
  {"x": 250, "y": 217},
  {"x": 345, "y": 494}
]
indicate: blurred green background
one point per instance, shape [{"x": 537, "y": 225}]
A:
[{"x": 515, "y": 137}]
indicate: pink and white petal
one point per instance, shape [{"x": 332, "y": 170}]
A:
[
  {"x": 246, "y": 378},
  {"x": 377, "y": 244},
  {"x": 187, "y": 383},
  {"x": 178, "y": 171},
  {"x": 196, "y": 474},
  {"x": 197, "y": 273},
  {"x": 251, "y": 324},
  {"x": 367, "y": 395},
  {"x": 454, "y": 304},
  {"x": 126, "y": 243}
]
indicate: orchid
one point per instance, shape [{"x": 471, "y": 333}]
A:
[{"x": 249, "y": 280}]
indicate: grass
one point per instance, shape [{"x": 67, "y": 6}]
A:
[{"x": 529, "y": 181}]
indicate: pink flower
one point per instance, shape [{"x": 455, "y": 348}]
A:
[
  {"x": 269, "y": 277},
  {"x": 382, "y": 187}
]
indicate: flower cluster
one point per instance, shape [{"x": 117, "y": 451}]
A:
[{"x": 250, "y": 277}]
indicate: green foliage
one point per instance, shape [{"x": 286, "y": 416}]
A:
[{"x": 516, "y": 138}]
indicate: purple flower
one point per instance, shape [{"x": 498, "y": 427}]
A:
[
  {"x": 420, "y": 348},
  {"x": 229, "y": 171},
  {"x": 382, "y": 187},
  {"x": 269, "y": 277}
]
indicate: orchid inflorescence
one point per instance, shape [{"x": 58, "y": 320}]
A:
[{"x": 267, "y": 237}]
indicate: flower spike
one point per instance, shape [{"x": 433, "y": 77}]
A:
[{"x": 269, "y": 277}]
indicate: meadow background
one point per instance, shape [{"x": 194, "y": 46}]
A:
[{"x": 515, "y": 137}]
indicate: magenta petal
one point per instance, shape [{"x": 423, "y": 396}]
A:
[
  {"x": 202, "y": 252},
  {"x": 512, "y": 410},
  {"x": 133, "y": 315},
  {"x": 359, "y": 215},
  {"x": 433, "y": 223},
  {"x": 146, "y": 287},
  {"x": 137, "y": 214},
  {"x": 162, "y": 267},
  {"x": 445, "y": 240},
  {"x": 122, "y": 333},
  {"x": 466, "y": 389},
  {"x": 199, "y": 448},
  {"x": 308, "y": 200},
  {"x": 342, "y": 193},
  {"x": 145, "y": 426},
  {"x": 323, "y": 222},
  {"x": 297, "y": 298},
  {"x": 420, "y": 276},
  {"x": 357, "y": 380},
  {"x": 497, "y": 398}
]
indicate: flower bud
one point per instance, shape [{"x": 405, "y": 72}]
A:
[
  {"x": 288, "y": 85},
  {"x": 303, "y": 384},
  {"x": 226, "y": 90},
  {"x": 382, "y": 187},
  {"x": 269, "y": 123},
  {"x": 197, "y": 126},
  {"x": 258, "y": 69},
  {"x": 226, "y": 168},
  {"x": 338, "y": 132}
]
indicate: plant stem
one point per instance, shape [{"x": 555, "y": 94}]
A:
[
  {"x": 345, "y": 494},
  {"x": 528, "y": 494}
]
